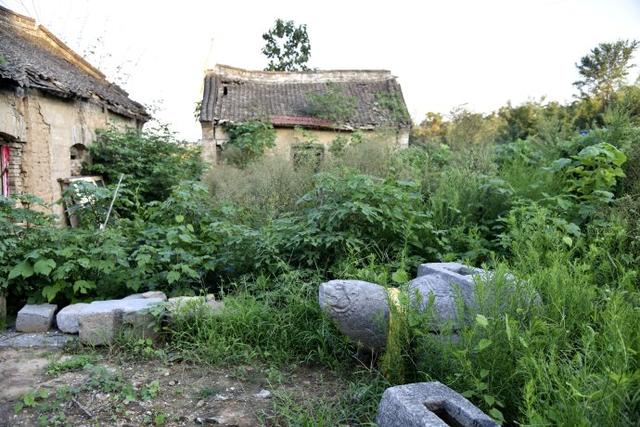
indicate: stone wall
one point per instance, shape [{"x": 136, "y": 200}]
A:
[
  {"x": 287, "y": 139},
  {"x": 44, "y": 129}
]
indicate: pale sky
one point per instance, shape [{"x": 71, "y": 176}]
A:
[{"x": 444, "y": 53}]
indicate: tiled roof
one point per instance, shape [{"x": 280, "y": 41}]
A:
[
  {"x": 35, "y": 58},
  {"x": 236, "y": 95}
]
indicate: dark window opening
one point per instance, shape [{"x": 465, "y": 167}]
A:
[
  {"x": 225, "y": 90},
  {"x": 78, "y": 154}
]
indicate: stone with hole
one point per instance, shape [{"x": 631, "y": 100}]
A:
[{"x": 431, "y": 404}]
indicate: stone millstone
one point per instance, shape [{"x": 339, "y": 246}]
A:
[
  {"x": 35, "y": 317},
  {"x": 428, "y": 405},
  {"x": 359, "y": 309}
]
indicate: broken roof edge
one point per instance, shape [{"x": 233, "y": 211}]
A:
[
  {"x": 310, "y": 76},
  {"x": 304, "y": 122},
  {"x": 30, "y": 25}
]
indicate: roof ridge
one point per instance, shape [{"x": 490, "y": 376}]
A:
[{"x": 309, "y": 76}]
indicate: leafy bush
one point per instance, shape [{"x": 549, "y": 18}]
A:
[
  {"x": 152, "y": 161},
  {"x": 248, "y": 141}
]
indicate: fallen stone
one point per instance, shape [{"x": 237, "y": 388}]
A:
[
  {"x": 359, "y": 309},
  {"x": 149, "y": 294},
  {"x": 263, "y": 394},
  {"x": 35, "y": 317},
  {"x": 429, "y": 404},
  {"x": 444, "y": 292},
  {"x": 50, "y": 339},
  {"x": 67, "y": 318},
  {"x": 453, "y": 270},
  {"x": 100, "y": 321}
]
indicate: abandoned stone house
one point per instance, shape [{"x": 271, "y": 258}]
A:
[
  {"x": 52, "y": 102},
  {"x": 233, "y": 95}
]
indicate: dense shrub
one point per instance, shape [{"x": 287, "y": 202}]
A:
[{"x": 151, "y": 161}]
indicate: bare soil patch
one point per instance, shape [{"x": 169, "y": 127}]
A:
[{"x": 168, "y": 394}]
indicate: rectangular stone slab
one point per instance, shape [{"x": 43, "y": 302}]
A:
[
  {"x": 100, "y": 321},
  {"x": 35, "y": 317}
]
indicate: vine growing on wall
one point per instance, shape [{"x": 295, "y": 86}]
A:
[{"x": 250, "y": 139}]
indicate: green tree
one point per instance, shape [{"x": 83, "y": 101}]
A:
[
  {"x": 287, "y": 47},
  {"x": 605, "y": 69}
]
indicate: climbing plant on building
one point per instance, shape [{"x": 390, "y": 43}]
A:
[{"x": 250, "y": 139}]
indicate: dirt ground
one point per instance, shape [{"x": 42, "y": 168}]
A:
[{"x": 165, "y": 393}]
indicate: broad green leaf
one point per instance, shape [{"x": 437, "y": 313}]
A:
[
  {"x": 567, "y": 241},
  {"x": 481, "y": 320},
  {"x": 400, "y": 276},
  {"x": 82, "y": 286},
  {"x": 496, "y": 414},
  {"x": 44, "y": 266},
  {"x": 24, "y": 269},
  {"x": 173, "y": 276},
  {"x": 482, "y": 344},
  {"x": 50, "y": 291}
]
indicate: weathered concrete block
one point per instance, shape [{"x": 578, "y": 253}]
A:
[
  {"x": 429, "y": 404},
  {"x": 100, "y": 321},
  {"x": 359, "y": 309},
  {"x": 150, "y": 294},
  {"x": 35, "y": 317},
  {"x": 67, "y": 318}
]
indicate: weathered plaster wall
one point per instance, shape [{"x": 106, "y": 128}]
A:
[
  {"x": 47, "y": 127},
  {"x": 288, "y": 138}
]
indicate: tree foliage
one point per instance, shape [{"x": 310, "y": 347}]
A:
[
  {"x": 287, "y": 47},
  {"x": 605, "y": 69}
]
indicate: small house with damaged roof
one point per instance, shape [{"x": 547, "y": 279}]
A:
[
  {"x": 325, "y": 105},
  {"x": 52, "y": 102}
]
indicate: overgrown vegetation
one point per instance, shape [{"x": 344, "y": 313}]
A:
[
  {"x": 332, "y": 104},
  {"x": 546, "y": 192}
]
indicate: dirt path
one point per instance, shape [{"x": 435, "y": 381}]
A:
[{"x": 96, "y": 389}]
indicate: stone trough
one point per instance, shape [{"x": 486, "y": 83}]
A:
[{"x": 429, "y": 404}]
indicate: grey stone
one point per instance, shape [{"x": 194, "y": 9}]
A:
[
  {"x": 445, "y": 292},
  {"x": 429, "y": 404},
  {"x": 50, "y": 339},
  {"x": 177, "y": 303},
  {"x": 35, "y": 317},
  {"x": 454, "y": 271},
  {"x": 263, "y": 394},
  {"x": 67, "y": 318},
  {"x": 150, "y": 294},
  {"x": 359, "y": 309},
  {"x": 100, "y": 321}
]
